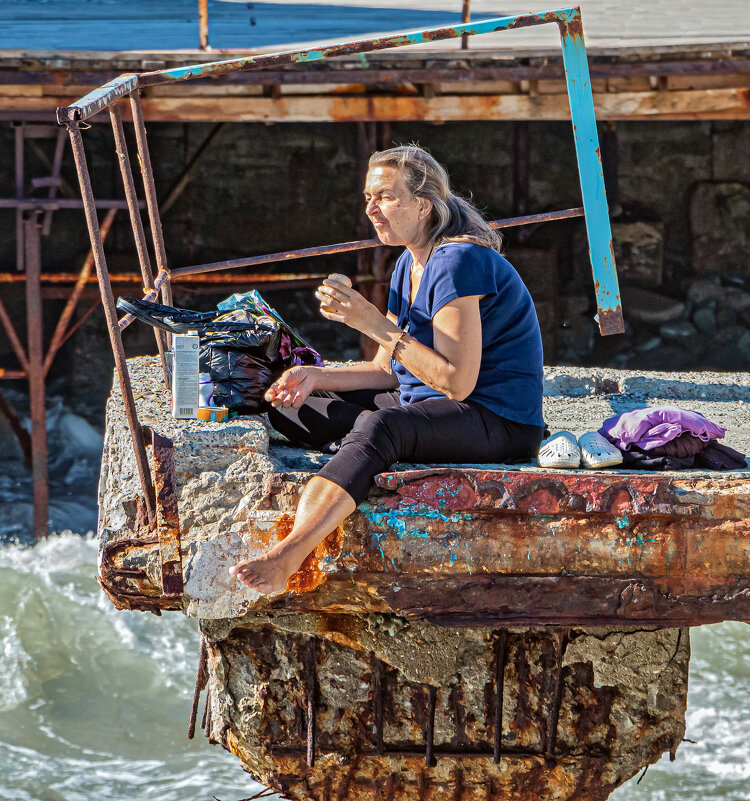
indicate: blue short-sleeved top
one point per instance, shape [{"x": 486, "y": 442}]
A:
[{"x": 510, "y": 374}]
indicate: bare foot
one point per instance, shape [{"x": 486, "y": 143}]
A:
[{"x": 267, "y": 574}]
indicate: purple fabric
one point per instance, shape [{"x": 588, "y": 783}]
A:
[
  {"x": 305, "y": 355},
  {"x": 657, "y": 425}
]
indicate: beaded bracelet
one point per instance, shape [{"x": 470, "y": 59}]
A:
[{"x": 391, "y": 356}]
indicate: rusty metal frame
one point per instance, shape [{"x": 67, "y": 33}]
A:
[
  {"x": 107, "y": 97},
  {"x": 34, "y": 361},
  {"x": 167, "y": 518}
]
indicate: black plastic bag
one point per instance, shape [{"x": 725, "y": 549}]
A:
[
  {"x": 240, "y": 352},
  {"x": 242, "y": 365}
]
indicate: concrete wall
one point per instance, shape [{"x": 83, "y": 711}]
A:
[{"x": 680, "y": 215}]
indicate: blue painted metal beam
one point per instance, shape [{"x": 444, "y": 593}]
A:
[
  {"x": 349, "y": 48},
  {"x": 596, "y": 211},
  {"x": 579, "y": 94},
  {"x": 98, "y": 100}
]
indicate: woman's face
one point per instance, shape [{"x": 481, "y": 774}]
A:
[{"x": 399, "y": 217}]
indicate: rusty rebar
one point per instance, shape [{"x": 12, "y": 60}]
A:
[
  {"x": 136, "y": 224},
  {"x": 430, "y": 734},
  {"x": 200, "y": 683},
  {"x": 458, "y": 784},
  {"x": 390, "y": 787},
  {"x": 415, "y": 752},
  {"x": 61, "y": 329},
  {"x": 556, "y": 696},
  {"x": 206, "y": 723},
  {"x": 147, "y": 173},
  {"x": 110, "y": 312},
  {"x": 377, "y": 701},
  {"x": 311, "y": 692},
  {"x": 497, "y": 726},
  {"x": 34, "y": 329}
]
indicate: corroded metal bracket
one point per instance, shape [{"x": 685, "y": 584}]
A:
[
  {"x": 167, "y": 518},
  {"x": 123, "y": 570}
]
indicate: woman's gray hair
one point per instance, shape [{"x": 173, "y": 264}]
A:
[{"x": 453, "y": 218}]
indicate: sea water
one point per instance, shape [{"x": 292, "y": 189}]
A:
[{"x": 94, "y": 703}]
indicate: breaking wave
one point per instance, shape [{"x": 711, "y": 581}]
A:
[{"x": 94, "y": 703}]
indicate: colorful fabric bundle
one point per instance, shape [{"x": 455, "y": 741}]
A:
[{"x": 670, "y": 438}]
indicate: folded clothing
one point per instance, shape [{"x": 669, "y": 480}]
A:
[
  {"x": 712, "y": 456},
  {"x": 685, "y": 444},
  {"x": 655, "y": 426},
  {"x": 716, "y": 456}
]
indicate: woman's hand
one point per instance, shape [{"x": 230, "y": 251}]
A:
[
  {"x": 345, "y": 305},
  {"x": 292, "y": 387}
]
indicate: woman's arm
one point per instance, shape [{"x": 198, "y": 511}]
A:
[
  {"x": 451, "y": 367},
  {"x": 294, "y": 386}
]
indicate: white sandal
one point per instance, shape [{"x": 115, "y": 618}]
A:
[
  {"x": 596, "y": 451},
  {"x": 560, "y": 450}
]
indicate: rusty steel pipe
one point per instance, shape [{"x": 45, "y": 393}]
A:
[
  {"x": 121, "y": 148},
  {"x": 251, "y": 261},
  {"x": 61, "y": 329},
  {"x": 203, "y": 24},
  {"x": 114, "y": 278},
  {"x": 34, "y": 329},
  {"x": 136, "y": 224},
  {"x": 362, "y": 244},
  {"x": 82, "y": 108},
  {"x": 55, "y": 204},
  {"x": 110, "y": 312},
  {"x": 125, "y": 321},
  {"x": 465, "y": 17},
  {"x": 20, "y": 237},
  {"x": 147, "y": 173}
]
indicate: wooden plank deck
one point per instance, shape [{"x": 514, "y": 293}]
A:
[{"x": 648, "y": 61}]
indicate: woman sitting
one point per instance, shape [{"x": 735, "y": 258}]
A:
[{"x": 457, "y": 376}]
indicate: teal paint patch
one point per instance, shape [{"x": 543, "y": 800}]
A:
[
  {"x": 622, "y": 521},
  {"x": 395, "y": 519}
]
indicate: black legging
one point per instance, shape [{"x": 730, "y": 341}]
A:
[{"x": 369, "y": 430}]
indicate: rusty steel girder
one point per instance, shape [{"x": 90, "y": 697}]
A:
[{"x": 491, "y": 547}]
